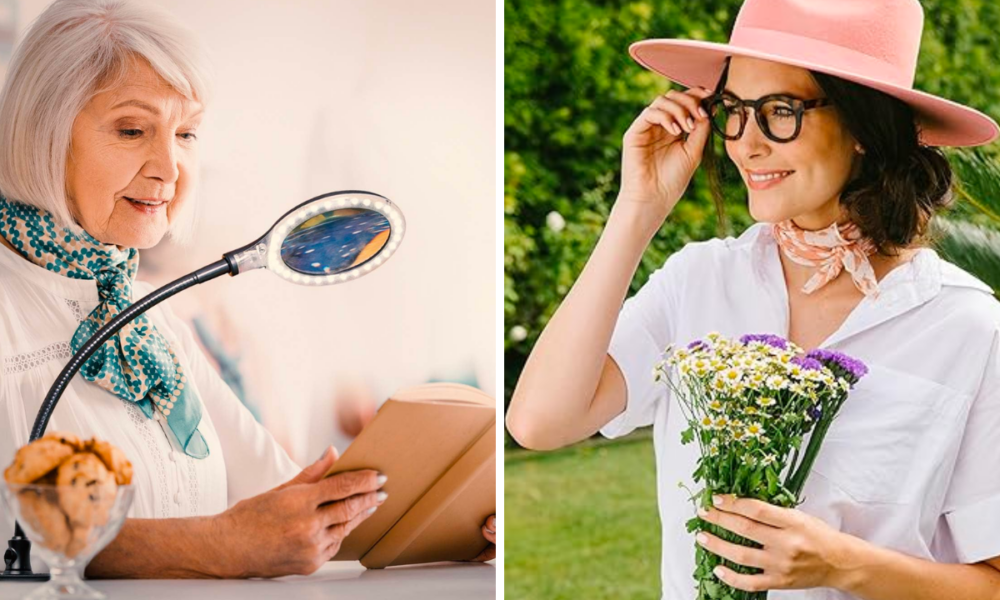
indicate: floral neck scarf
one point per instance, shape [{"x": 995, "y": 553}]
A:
[
  {"x": 839, "y": 246},
  {"x": 136, "y": 364}
]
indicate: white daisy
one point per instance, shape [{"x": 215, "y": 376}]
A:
[
  {"x": 766, "y": 401},
  {"x": 777, "y": 382},
  {"x": 754, "y": 430}
]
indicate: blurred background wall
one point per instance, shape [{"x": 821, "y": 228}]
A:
[{"x": 315, "y": 96}]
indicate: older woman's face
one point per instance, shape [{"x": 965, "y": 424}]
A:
[
  {"x": 821, "y": 159},
  {"x": 135, "y": 141}
]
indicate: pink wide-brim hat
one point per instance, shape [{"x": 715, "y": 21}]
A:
[{"x": 871, "y": 42}]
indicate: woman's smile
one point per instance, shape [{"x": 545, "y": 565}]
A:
[
  {"x": 146, "y": 208},
  {"x": 764, "y": 180}
]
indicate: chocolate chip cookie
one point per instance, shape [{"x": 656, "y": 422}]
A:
[
  {"x": 36, "y": 459},
  {"x": 65, "y": 437},
  {"x": 86, "y": 489},
  {"x": 113, "y": 458},
  {"x": 44, "y": 518}
]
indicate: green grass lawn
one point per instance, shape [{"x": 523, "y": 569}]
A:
[{"x": 582, "y": 523}]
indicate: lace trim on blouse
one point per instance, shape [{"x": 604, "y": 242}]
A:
[
  {"x": 20, "y": 363},
  {"x": 192, "y": 484},
  {"x": 142, "y": 424},
  {"x": 74, "y": 306}
]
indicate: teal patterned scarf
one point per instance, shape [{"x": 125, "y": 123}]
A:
[{"x": 136, "y": 364}]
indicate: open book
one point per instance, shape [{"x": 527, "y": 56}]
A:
[{"x": 436, "y": 443}]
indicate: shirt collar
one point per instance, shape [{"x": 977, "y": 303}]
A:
[
  {"x": 904, "y": 288},
  {"x": 929, "y": 269}
]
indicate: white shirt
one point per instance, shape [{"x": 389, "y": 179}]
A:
[
  {"x": 910, "y": 463},
  {"x": 39, "y": 311}
]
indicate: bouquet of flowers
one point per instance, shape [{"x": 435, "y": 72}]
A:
[{"x": 749, "y": 405}]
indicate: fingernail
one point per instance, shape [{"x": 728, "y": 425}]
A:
[
  {"x": 325, "y": 452},
  {"x": 701, "y": 537},
  {"x": 718, "y": 572},
  {"x": 381, "y": 479},
  {"x": 702, "y": 512},
  {"x": 380, "y": 497},
  {"x": 675, "y": 128},
  {"x": 717, "y": 500},
  {"x": 702, "y": 112},
  {"x": 690, "y": 123},
  {"x": 372, "y": 509}
]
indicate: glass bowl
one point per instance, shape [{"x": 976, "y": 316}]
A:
[{"x": 67, "y": 526}]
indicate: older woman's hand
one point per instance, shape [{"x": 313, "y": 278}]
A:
[
  {"x": 299, "y": 525},
  {"x": 490, "y": 533}
]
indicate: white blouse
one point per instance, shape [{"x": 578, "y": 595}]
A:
[
  {"x": 910, "y": 463},
  {"x": 39, "y": 311}
]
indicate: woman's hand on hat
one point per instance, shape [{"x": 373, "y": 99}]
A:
[
  {"x": 296, "y": 527},
  {"x": 661, "y": 150}
]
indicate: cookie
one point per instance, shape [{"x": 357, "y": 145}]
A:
[
  {"x": 79, "y": 540},
  {"x": 113, "y": 458},
  {"x": 36, "y": 459},
  {"x": 47, "y": 479},
  {"x": 64, "y": 437},
  {"x": 44, "y": 518},
  {"x": 86, "y": 489}
]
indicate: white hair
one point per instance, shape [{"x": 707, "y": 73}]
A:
[{"x": 73, "y": 51}]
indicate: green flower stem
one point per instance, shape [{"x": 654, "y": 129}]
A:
[{"x": 797, "y": 480}]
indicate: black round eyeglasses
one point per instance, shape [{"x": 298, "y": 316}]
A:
[{"x": 779, "y": 116}]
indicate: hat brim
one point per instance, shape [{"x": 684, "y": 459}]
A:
[{"x": 695, "y": 63}]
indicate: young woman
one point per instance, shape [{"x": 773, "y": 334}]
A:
[{"x": 816, "y": 106}]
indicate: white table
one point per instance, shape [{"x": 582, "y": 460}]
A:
[{"x": 335, "y": 580}]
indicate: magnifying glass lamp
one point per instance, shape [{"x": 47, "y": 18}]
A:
[{"x": 332, "y": 238}]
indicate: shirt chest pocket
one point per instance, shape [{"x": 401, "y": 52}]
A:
[{"x": 890, "y": 437}]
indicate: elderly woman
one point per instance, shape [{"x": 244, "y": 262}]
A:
[{"x": 99, "y": 120}]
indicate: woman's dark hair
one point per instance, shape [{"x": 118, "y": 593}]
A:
[{"x": 901, "y": 183}]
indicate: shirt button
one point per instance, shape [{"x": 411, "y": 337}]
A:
[{"x": 177, "y": 498}]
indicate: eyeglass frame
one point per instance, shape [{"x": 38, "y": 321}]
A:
[{"x": 799, "y": 106}]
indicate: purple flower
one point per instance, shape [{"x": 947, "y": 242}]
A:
[
  {"x": 765, "y": 338},
  {"x": 697, "y": 345},
  {"x": 841, "y": 364},
  {"x": 815, "y": 412},
  {"x": 809, "y": 364}
]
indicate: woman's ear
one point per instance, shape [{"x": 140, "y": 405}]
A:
[{"x": 856, "y": 159}]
